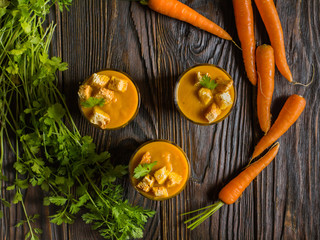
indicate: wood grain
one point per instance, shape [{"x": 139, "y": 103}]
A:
[{"x": 282, "y": 203}]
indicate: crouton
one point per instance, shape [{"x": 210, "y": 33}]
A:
[
  {"x": 107, "y": 94},
  {"x": 213, "y": 112},
  {"x": 160, "y": 191},
  {"x": 166, "y": 156},
  {"x": 223, "y": 100},
  {"x": 100, "y": 118},
  {"x": 224, "y": 85},
  {"x": 205, "y": 95},
  {"x": 161, "y": 175},
  {"x": 99, "y": 81},
  {"x": 199, "y": 78},
  {"x": 84, "y": 92},
  {"x": 147, "y": 183},
  {"x": 200, "y": 75},
  {"x": 146, "y": 158},
  {"x": 173, "y": 179},
  {"x": 117, "y": 84}
]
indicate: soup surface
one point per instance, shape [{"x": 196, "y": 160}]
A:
[{"x": 166, "y": 155}]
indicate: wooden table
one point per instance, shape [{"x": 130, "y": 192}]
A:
[{"x": 282, "y": 203}]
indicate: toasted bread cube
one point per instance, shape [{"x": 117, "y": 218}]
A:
[
  {"x": 147, "y": 183},
  {"x": 99, "y": 81},
  {"x": 146, "y": 158},
  {"x": 167, "y": 158},
  {"x": 107, "y": 94},
  {"x": 173, "y": 179},
  {"x": 160, "y": 191},
  {"x": 223, "y": 100},
  {"x": 149, "y": 179},
  {"x": 117, "y": 84},
  {"x": 199, "y": 78},
  {"x": 213, "y": 112},
  {"x": 205, "y": 95},
  {"x": 100, "y": 117},
  {"x": 161, "y": 175},
  {"x": 224, "y": 85},
  {"x": 200, "y": 75},
  {"x": 84, "y": 92},
  {"x": 143, "y": 186}
]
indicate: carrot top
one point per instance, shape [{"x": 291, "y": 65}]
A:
[{"x": 233, "y": 190}]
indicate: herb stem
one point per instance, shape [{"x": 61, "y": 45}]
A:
[{"x": 27, "y": 218}]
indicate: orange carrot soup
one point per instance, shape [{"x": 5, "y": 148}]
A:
[
  {"x": 159, "y": 170},
  {"x": 205, "y": 94},
  {"x": 109, "y": 99}
]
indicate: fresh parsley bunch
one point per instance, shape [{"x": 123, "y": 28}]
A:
[{"x": 36, "y": 124}]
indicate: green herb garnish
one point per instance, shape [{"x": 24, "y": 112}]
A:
[
  {"x": 143, "y": 169},
  {"x": 92, "y": 101},
  {"x": 208, "y": 82}
]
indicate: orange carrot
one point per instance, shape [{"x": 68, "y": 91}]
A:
[
  {"x": 233, "y": 190},
  {"x": 245, "y": 27},
  {"x": 289, "y": 113},
  {"x": 265, "y": 69},
  {"x": 272, "y": 23},
  {"x": 180, "y": 11}
]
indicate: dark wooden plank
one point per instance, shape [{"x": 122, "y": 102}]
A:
[
  {"x": 283, "y": 202},
  {"x": 287, "y": 196}
]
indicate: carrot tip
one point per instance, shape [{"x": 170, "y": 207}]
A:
[
  {"x": 250, "y": 161},
  {"x": 309, "y": 83},
  {"x": 236, "y": 44},
  {"x": 254, "y": 155}
]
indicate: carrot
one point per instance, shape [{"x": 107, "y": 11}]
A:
[
  {"x": 272, "y": 23},
  {"x": 180, "y": 11},
  {"x": 233, "y": 190},
  {"x": 245, "y": 27},
  {"x": 265, "y": 69},
  {"x": 289, "y": 113}
]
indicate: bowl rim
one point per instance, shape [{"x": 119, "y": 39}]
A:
[
  {"x": 138, "y": 105},
  {"x": 131, "y": 170},
  {"x": 177, "y": 88}
]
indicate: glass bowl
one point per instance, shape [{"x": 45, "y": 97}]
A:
[
  {"x": 188, "y": 74},
  {"x": 152, "y": 147},
  {"x": 86, "y": 112}
]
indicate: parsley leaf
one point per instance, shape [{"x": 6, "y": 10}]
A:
[
  {"x": 143, "y": 169},
  {"x": 4, "y": 3},
  {"x": 92, "y": 101},
  {"x": 59, "y": 201},
  {"x": 208, "y": 82},
  {"x": 56, "y": 112}
]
